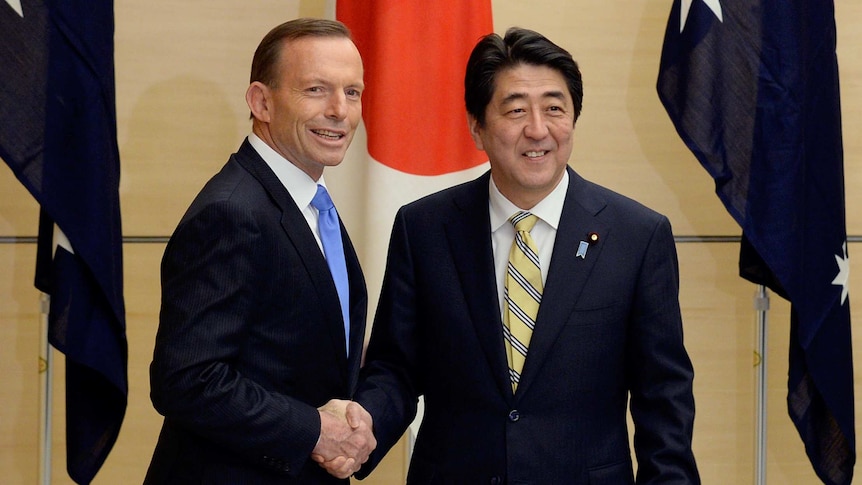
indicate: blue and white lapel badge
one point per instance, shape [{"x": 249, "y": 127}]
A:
[{"x": 592, "y": 238}]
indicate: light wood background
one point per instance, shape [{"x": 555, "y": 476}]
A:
[{"x": 182, "y": 69}]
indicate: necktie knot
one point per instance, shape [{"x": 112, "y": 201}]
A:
[
  {"x": 321, "y": 200},
  {"x": 523, "y": 221}
]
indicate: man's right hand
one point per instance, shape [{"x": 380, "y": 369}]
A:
[{"x": 346, "y": 438}]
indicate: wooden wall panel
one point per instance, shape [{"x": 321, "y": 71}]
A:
[
  {"x": 19, "y": 362},
  {"x": 19, "y": 213},
  {"x": 182, "y": 70},
  {"x": 848, "y": 19},
  {"x": 719, "y": 334}
]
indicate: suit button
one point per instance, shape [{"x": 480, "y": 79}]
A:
[
  {"x": 496, "y": 481},
  {"x": 514, "y": 415}
]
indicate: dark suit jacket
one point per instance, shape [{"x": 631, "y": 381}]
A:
[
  {"x": 250, "y": 336},
  {"x": 608, "y": 334}
]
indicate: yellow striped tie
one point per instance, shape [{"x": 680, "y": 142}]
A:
[{"x": 523, "y": 294}]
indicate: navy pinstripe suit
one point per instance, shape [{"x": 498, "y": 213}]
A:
[
  {"x": 608, "y": 336},
  {"x": 250, "y": 339}
]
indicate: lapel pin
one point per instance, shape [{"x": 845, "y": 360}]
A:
[
  {"x": 582, "y": 250},
  {"x": 592, "y": 238}
]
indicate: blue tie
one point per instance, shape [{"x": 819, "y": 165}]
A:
[{"x": 333, "y": 249}]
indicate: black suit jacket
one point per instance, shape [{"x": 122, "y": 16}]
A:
[
  {"x": 250, "y": 337},
  {"x": 608, "y": 334}
]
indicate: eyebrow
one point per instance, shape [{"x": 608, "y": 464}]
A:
[
  {"x": 519, "y": 96},
  {"x": 328, "y": 82}
]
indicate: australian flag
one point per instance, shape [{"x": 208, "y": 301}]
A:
[
  {"x": 58, "y": 134},
  {"x": 752, "y": 88}
]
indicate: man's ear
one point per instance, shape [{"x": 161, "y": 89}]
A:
[
  {"x": 259, "y": 99},
  {"x": 475, "y": 130}
]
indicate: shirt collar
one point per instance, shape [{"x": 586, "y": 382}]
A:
[
  {"x": 548, "y": 209},
  {"x": 298, "y": 184}
]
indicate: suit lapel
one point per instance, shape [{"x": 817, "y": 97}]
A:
[
  {"x": 358, "y": 308},
  {"x": 297, "y": 231},
  {"x": 469, "y": 235},
  {"x": 568, "y": 273}
]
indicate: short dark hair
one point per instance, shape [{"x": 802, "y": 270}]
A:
[
  {"x": 264, "y": 65},
  {"x": 493, "y": 54}
]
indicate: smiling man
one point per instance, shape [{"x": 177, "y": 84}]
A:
[
  {"x": 531, "y": 308},
  {"x": 263, "y": 300}
]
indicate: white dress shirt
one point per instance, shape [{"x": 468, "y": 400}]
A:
[{"x": 298, "y": 184}]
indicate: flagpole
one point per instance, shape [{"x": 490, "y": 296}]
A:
[
  {"x": 46, "y": 371},
  {"x": 761, "y": 305}
]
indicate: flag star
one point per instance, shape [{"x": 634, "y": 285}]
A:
[
  {"x": 843, "y": 277},
  {"x": 685, "y": 6},
  {"x": 16, "y": 6}
]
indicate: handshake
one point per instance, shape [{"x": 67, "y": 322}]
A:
[{"x": 346, "y": 438}]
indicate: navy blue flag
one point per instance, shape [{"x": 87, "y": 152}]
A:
[
  {"x": 752, "y": 88},
  {"x": 58, "y": 134}
]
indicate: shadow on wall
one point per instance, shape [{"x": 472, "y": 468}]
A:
[
  {"x": 180, "y": 133},
  {"x": 663, "y": 148}
]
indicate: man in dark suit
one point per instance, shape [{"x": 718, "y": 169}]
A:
[
  {"x": 607, "y": 334},
  {"x": 253, "y": 338}
]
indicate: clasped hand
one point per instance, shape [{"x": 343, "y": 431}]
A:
[{"x": 346, "y": 438}]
